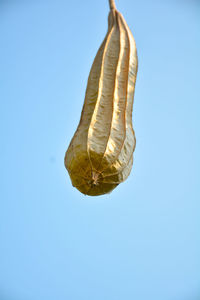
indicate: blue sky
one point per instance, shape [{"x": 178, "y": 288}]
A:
[{"x": 141, "y": 241}]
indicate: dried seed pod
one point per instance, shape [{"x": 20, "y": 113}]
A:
[{"x": 100, "y": 155}]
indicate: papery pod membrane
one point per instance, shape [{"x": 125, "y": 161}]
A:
[{"x": 100, "y": 155}]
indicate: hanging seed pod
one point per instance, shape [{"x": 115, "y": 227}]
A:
[{"x": 100, "y": 155}]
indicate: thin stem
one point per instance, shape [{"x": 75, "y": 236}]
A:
[{"x": 112, "y": 4}]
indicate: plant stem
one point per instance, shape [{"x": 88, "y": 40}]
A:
[{"x": 112, "y": 4}]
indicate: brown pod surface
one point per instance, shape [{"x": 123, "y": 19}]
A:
[{"x": 100, "y": 155}]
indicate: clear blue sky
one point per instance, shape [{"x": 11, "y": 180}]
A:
[{"x": 141, "y": 241}]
